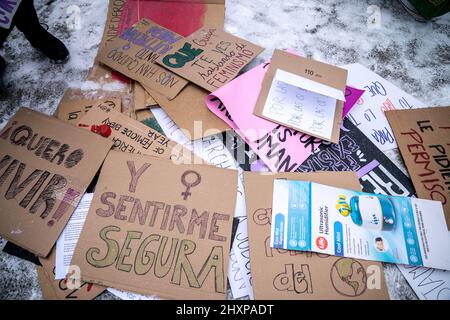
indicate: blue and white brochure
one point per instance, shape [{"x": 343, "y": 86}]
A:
[{"x": 308, "y": 216}]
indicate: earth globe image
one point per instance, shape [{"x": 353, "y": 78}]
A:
[{"x": 348, "y": 277}]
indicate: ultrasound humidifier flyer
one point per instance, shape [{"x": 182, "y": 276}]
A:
[{"x": 309, "y": 216}]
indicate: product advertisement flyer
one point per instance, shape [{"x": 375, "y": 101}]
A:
[{"x": 314, "y": 217}]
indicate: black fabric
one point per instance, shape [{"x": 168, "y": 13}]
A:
[{"x": 27, "y": 21}]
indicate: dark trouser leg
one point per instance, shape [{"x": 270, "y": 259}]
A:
[{"x": 27, "y": 21}]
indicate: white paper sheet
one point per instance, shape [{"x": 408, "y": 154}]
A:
[
  {"x": 296, "y": 107},
  {"x": 68, "y": 239},
  {"x": 380, "y": 95}
]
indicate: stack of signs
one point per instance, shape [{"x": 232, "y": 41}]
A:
[
  {"x": 46, "y": 166},
  {"x": 423, "y": 136},
  {"x": 380, "y": 95},
  {"x": 282, "y": 274},
  {"x": 282, "y": 149},
  {"x": 158, "y": 228},
  {"x": 303, "y": 94}
]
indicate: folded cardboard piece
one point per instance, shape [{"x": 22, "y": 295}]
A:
[
  {"x": 64, "y": 289},
  {"x": 75, "y": 103},
  {"x": 46, "y": 166},
  {"x": 187, "y": 109},
  {"x": 283, "y": 274},
  {"x": 131, "y": 136},
  {"x": 209, "y": 57},
  {"x": 423, "y": 137},
  {"x": 158, "y": 228},
  {"x": 303, "y": 94}
]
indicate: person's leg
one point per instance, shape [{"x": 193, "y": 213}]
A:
[{"x": 27, "y": 21}]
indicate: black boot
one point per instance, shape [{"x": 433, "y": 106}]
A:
[
  {"x": 49, "y": 45},
  {"x": 26, "y": 20}
]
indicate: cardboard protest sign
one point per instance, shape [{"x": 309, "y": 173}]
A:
[
  {"x": 45, "y": 167},
  {"x": 355, "y": 152},
  {"x": 134, "y": 52},
  {"x": 303, "y": 94},
  {"x": 423, "y": 136},
  {"x": 300, "y": 275},
  {"x": 209, "y": 57},
  {"x": 64, "y": 289},
  {"x": 131, "y": 136},
  {"x": 158, "y": 228},
  {"x": 281, "y": 148},
  {"x": 74, "y": 105}
]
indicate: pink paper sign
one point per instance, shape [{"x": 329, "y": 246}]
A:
[{"x": 281, "y": 148}]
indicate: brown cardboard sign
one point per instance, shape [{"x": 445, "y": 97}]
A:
[
  {"x": 210, "y": 57},
  {"x": 64, "y": 289},
  {"x": 303, "y": 94},
  {"x": 45, "y": 167},
  {"x": 423, "y": 137},
  {"x": 132, "y": 136},
  {"x": 158, "y": 228},
  {"x": 74, "y": 105},
  {"x": 189, "y": 112},
  {"x": 283, "y": 274},
  {"x": 134, "y": 52}
]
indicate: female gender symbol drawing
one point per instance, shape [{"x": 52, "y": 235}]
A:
[{"x": 189, "y": 185}]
